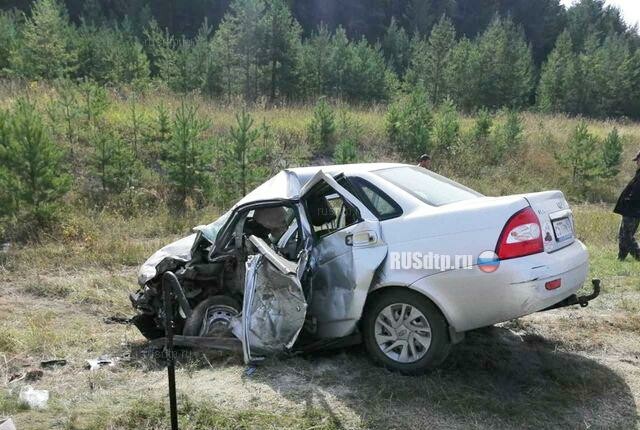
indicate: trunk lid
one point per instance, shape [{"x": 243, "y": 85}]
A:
[{"x": 556, "y": 219}]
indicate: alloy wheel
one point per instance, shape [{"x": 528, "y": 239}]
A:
[{"x": 402, "y": 333}]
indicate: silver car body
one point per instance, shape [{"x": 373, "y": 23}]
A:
[{"x": 351, "y": 263}]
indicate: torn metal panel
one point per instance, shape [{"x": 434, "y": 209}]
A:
[
  {"x": 274, "y": 307},
  {"x": 284, "y": 185}
]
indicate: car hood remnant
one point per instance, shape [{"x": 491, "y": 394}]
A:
[
  {"x": 179, "y": 252},
  {"x": 166, "y": 258}
]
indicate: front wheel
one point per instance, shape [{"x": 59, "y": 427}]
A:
[
  {"x": 211, "y": 317},
  {"x": 405, "y": 332}
]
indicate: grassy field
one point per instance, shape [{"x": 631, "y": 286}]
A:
[{"x": 572, "y": 368}]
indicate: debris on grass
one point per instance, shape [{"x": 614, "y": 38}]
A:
[
  {"x": 53, "y": 363},
  {"x": 97, "y": 363},
  {"x": 34, "y": 399}
]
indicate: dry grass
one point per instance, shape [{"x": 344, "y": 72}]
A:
[{"x": 572, "y": 368}]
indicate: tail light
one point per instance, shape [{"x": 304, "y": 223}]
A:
[{"x": 521, "y": 236}]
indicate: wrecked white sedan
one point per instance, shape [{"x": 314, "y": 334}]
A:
[{"x": 393, "y": 255}]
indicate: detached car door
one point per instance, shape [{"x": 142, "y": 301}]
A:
[{"x": 348, "y": 249}]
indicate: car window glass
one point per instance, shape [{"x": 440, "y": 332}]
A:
[
  {"x": 427, "y": 186},
  {"x": 376, "y": 200}
]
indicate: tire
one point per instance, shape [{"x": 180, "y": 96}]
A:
[
  {"x": 410, "y": 355},
  {"x": 223, "y": 307}
]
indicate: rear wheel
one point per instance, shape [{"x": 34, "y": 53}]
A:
[
  {"x": 211, "y": 317},
  {"x": 404, "y": 331}
]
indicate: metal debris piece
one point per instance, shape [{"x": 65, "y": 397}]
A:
[
  {"x": 53, "y": 363},
  {"x": 35, "y": 399},
  {"x": 117, "y": 320},
  {"x": 97, "y": 363}
]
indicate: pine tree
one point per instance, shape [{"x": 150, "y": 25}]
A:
[
  {"x": 201, "y": 62},
  {"x": 279, "y": 49},
  {"x": 113, "y": 162},
  {"x": 463, "y": 75},
  {"x": 193, "y": 65},
  {"x": 136, "y": 119},
  {"x": 341, "y": 60},
  {"x": 94, "y": 101},
  {"x": 245, "y": 19},
  {"x": 366, "y": 74},
  {"x": 446, "y": 128},
  {"x": 482, "y": 127},
  {"x": 348, "y": 132},
  {"x": 67, "y": 109},
  {"x": 189, "y": 155},
  {"x": 316, "y": 64},
  {"x": 430, "y": 61},
  {"x": 581, "y": 158},
  {"x": 507, "y": 137},
  {"x": 46, "y": 47},
  {"x": 8, "y": 200},
  {"x": 560, "y": 80},
  {"x": 396, "y": 47},
  {"x": 346, "y": 151},
  {"x": 160, "y": 47},
  {"x": 33, "y": 164},
  {"x": 612, "y": 154},
  {"x": 506, "y": 66},
  {"x": 243, "y": 138},
  {"x": 224, "y": 47},
  {"x": 421, "y": 15},
  {"x": 607, "y": 74},
  {"x": 408, "y": 124},
  {"x": 321, "y": 129},
  {"x": 8, "y": 38}
]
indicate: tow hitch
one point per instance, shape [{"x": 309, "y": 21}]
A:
[{"x": 573, "y": 299}]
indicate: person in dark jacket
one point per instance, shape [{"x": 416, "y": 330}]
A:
[{"x": 629, "y": 207}]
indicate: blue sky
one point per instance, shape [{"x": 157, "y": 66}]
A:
[{"x": 630, "y": 9}]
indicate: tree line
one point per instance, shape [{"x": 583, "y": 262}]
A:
[
  {"x": 75, "y": 148},
  {"x": 474, "y": 54}
]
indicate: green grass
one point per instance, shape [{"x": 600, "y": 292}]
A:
[{"x": 146, "y": 414}]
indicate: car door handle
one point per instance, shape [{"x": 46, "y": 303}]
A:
[{"x": 361, "y": 238}]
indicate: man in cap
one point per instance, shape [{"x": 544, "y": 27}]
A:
[
  {"x": 629, "y": 207},
  {"x": 424, "y": 161}
]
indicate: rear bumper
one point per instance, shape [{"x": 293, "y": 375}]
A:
[{"x": 471, "y": 299}]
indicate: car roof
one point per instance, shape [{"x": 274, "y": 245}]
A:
[{"x": 287, "y": 183}]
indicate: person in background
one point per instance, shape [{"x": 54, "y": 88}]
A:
[
  {"x": 424, "y": 161},
  {"x": 629, "y": 207}
]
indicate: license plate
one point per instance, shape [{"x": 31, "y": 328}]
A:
[{"x": 563, "y": 228}]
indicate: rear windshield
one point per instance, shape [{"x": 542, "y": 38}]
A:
[{"x": 427, "y": 186}]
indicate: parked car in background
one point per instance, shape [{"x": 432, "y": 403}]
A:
[{"x": 320, "y": 254}]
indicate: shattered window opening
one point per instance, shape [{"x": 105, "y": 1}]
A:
[{"x": 329, "y": 212}]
